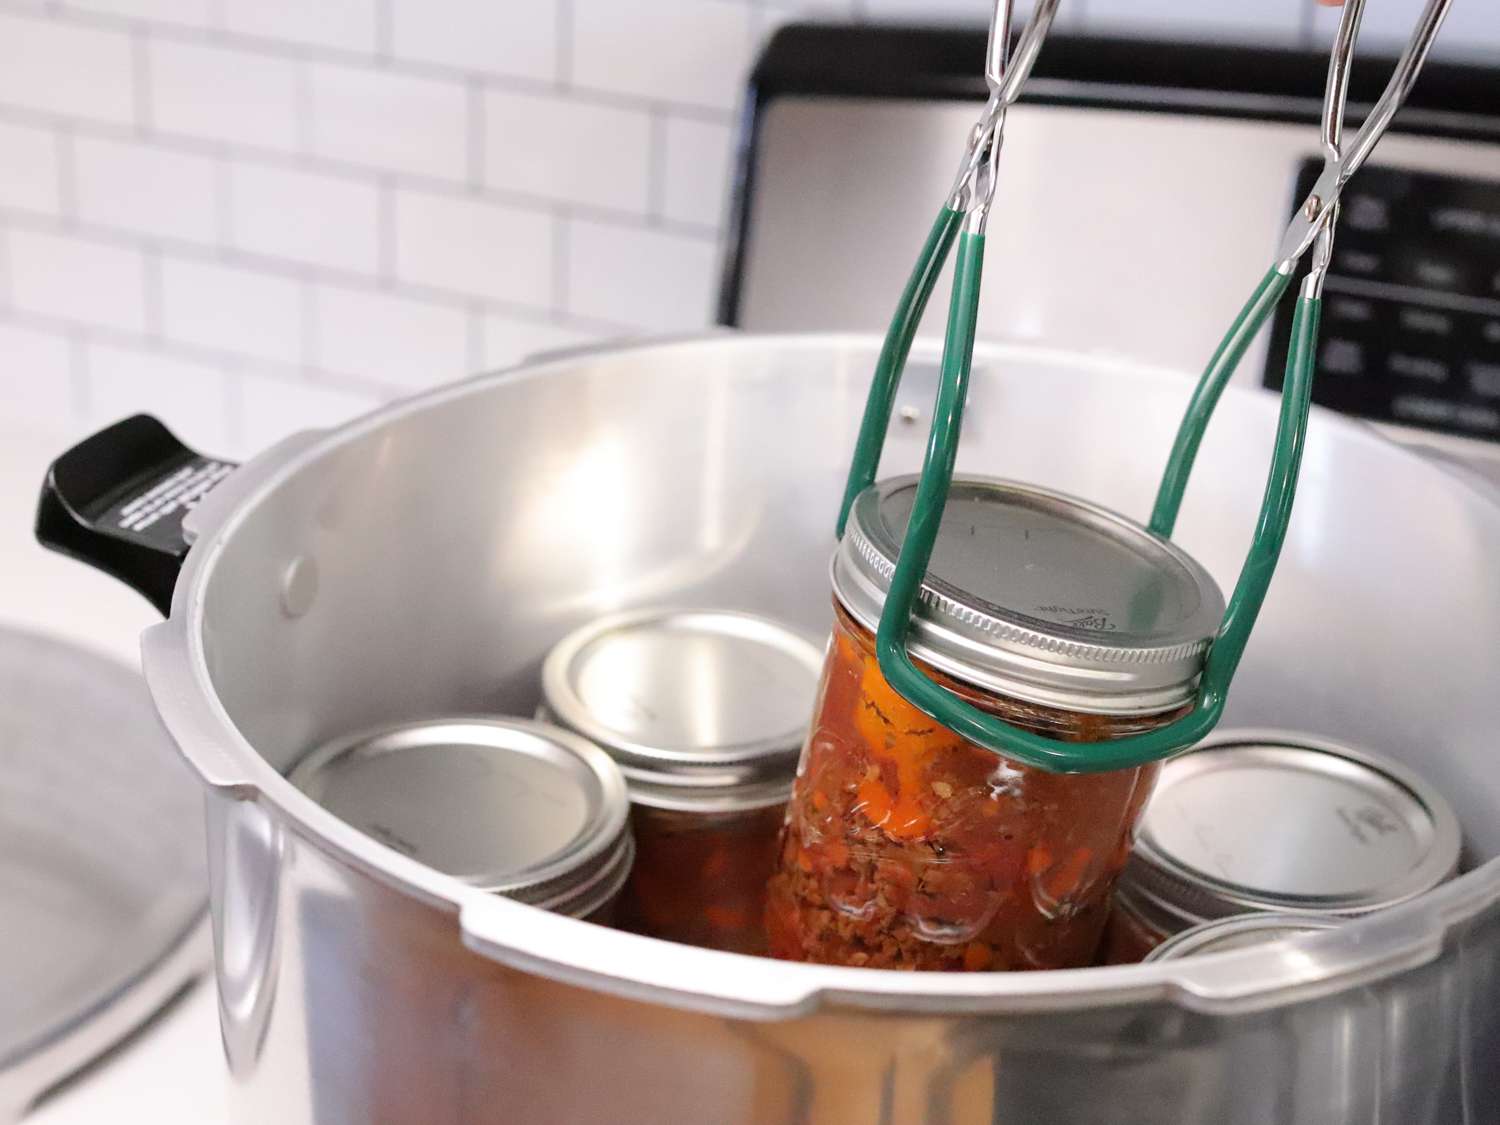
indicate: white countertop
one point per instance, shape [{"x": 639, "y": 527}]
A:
[{"x": 173, "y": 1072}]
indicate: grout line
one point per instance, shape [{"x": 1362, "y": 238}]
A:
[
  {"x": 67, "y": 176},
  {"x": 656, "y": 169},
  {"x": 302, "y": 271},
  {"x": 140, "y": 74},
  {"x": 477, "y": 127},
  {"x": 384, "y": 16},
  {"x": 565, "y": 31},
  {"x": 234, "y": 407},
  {"x": 302, "y": 97},
  {"x": 474, "y": 338},
  {"x": 385, "y": 234},
  {"x": 561, "y": 237},
  {"x": 152, "y": 270},
  {"x": 5, "y": 288},
  {"x": 78, "y": 375},
  {"x": 224, "y": 203},
  {"x": 310, "y": 313}
]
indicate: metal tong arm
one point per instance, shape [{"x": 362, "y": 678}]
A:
[
  {"x": 1254, "y": 580},
  {"x": 1338, "y": 168},
  {"x": 973, "y": 191},
  {"x": 1313, "y": 224},
  {"x": 1037, "y": 750}
]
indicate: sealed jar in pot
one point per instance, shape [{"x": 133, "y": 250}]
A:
[
  {"x": 514, "y": 807},
  {"x": 1244, "y": 931},
  {"x": 906, "y": 846},
  {"x": 1267, "y": 821},
  {"x": 705, "y": 712}
]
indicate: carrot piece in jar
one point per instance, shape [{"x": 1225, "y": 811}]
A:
[
  {"x": 977, "y": 956},
  {"x": 1064, "y": 881}
]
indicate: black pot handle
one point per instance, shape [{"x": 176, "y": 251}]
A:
[{"x": 117, "y": 500}]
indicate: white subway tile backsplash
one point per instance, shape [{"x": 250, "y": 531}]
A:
[
  {"x": 587, "y": 145},
  {"x": 696, "y": 171},
  {"x": 696, "y": 52},
  {"x": 189, "y": 13},
  {"x": 152, "y": 190},
  {"x": 513, "y": 37},
  {"x": 28, "y": 168},
  {"x": 556, "y": 148},
  {"x": 648, "y": 278},
  {"x": 223, "y": 94},
  {"x": 390, "y": 121},
  {"x": 77, "y": 280},
  {"x": 508, "y": 339},
  {"x": 474, "y": 247},
  {"x": 1276, "y": 21},
  {"x": 1471, "y": 28},
  {"x": 35, "y": 375},
  {"x": 230, "y": 309},
  {"x": 347, "y": 25},
  {"x": 389, "y": 339},
  {"x": 80, "y": 72},
  {"x": 272, "y": 408},
  {"x": 308, "y": 217},
  {"x": 191, "y": 398}
]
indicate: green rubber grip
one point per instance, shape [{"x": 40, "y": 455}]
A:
[
  {"x": 1245, "y": 603},
  {"x": 892, "y": 361},
  {"x": 1206, "y": 397}
]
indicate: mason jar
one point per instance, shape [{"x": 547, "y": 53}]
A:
[
  {"x": 511, "y": 806},
  {"x": 1272, "y": 821},
  {"x": 906, "y": 846},
  {"x": 705, "y": 713}
]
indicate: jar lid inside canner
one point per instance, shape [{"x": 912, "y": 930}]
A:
[
  {"x": 1286, "y": 822},
  {"x": 516, "y": 807},
  {"x": 1038, "y": 595},
  {"x": 1224, "y": 935},
  {"x": 699, "y": 707}
]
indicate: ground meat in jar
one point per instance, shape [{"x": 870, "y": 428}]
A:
[{"x": 906, "y": 847}]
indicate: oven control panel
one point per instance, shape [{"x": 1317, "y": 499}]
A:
[{"x": 1411, "y": 312}]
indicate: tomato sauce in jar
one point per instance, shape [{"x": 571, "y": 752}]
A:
[
  {"x": 907, "y": 847},
  {"x": 705, "y": 712}
]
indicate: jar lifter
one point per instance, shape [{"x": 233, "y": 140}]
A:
[{"x": 964, "y": 217}]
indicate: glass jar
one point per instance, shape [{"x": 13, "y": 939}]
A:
[
  {"x": 515, "y": 807},
  {"x": 1253, "y": 822},
  {"x": 906, "y": 846},
  {"x": 705, "y": 712}
]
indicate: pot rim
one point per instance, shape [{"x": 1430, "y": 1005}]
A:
[{"x": 577, "y": 952}]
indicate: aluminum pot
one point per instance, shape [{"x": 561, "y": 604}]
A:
[{"x": 421, "y": 561}]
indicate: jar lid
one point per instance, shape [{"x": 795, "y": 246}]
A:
[
  {"x": 704, "y": 710},
  {"x": 1286, "y": 822},
  {"x": 515, "y": 807},
  {"x": 1226, "y": 934},
  {"x": 1038, "y": 596}
]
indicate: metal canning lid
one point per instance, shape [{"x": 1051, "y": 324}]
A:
[
  {"x": 1038, "y": 596},
  {"x": 1240, "y": 932},
  {"x": 704, "y": 710},
  {"x": 515, "y": 807},
  {"x": 1261, "y": 820}
]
